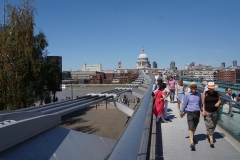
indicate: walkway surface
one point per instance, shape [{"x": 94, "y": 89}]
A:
[{"x": 172, "y": 141}]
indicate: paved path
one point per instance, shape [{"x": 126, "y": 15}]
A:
[{"x": 172, "y": 141}]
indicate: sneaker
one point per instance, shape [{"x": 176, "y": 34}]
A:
[
  {"x": 167, "y": 119},
  {"x": 192, "y": 146},
  {"x": 231, "y": 115}
]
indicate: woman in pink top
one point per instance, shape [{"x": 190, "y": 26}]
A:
[{"x": 171, "y": 86}]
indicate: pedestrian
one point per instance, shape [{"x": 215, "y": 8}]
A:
[
  {"x": 192, "y": 104},
  {"x": 234, "y": 97},
  {"x": 171, "y": 86},
  {"x": 204, "y": 85},
  {"x": 159, "y": 103},
  {"x": 211, "y": 101},
  {"x": 166, "y": 94},
  {"x": 238, "y": 98},
  {"x": 156, "y": 85},
  {"x": 180, "y": 92},
  {"x": 164, "y": 77},
  {"x": 227, "y": 96}
]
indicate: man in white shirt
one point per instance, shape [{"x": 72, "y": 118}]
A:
[{"x": 204, "y": 84}]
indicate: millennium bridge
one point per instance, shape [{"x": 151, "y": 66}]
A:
[{"x": 34, "y": 132}]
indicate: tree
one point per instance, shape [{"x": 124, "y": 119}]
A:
[{"x": 23, "y": 59}]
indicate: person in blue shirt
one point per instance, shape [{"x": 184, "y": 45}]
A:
[{"x": 192, "y": 104}]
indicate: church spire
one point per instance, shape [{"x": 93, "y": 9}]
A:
[{"x": 142, "y": 50}]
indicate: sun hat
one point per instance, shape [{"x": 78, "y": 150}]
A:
[
  {"x": 212, "y": 85},
  {"x": 193, "y": 84}
]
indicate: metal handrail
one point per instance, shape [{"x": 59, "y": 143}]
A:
[{"x": 129, "y": 143}]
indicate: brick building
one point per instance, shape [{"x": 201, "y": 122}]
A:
[{"x": 229, "y": 75}]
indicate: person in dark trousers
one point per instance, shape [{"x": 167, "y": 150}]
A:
[
  {"x": 211, "y": 101},
  {"x": 171, "y": 87},
  {"x": 228, "y": 96},
  {"x": 192, "y": 104}
]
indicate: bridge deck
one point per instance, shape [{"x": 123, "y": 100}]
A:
[{"x": 170, "y": 141}]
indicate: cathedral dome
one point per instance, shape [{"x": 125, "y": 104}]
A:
[
  {"x": 142, "y": 61},
  {"x": 143, "y": 55}
]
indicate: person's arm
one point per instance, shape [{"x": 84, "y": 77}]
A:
[
  {"x": 163, "y": 98},
  {"x": 184, "y": 105},
  {"x": 219, "y": 101},
  {"x": 200, "y": 102},
  {"x": 176, "y": 90},
  {"x": 203, "y": 105}
]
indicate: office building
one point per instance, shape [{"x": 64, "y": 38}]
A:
[
  {"x": 234, "y": 63},
  {"x": 92, "y": 67},
  {"x": 172, "y": 65},
  {"x": 223, "y": 65},
  {"x": 154, "y": 65}
]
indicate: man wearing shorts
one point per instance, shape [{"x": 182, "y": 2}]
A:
[{"x": 192, "y": 104}]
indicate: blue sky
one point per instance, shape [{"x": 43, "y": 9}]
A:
[{"x": 103, "y": 31}]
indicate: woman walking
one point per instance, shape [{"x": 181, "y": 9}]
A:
[
  {"x": 180, "y": 92},
  {"x": 211, "y": 101},
  {"x": 171, "y": 86},
  {"x": 192, "y": 103},
  {"x": 159, "y": 103}
]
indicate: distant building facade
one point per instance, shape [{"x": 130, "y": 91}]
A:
[
  {"x": 223, "y": 65},
  {"x": 229, "y": 75},
  {"x": 208, "y": 75},
  {"x": 154, "y": 65},
  {"x": 82, "y": 77},
  {"x": 119, "y": 64},
  {"x": 172, "y": 65},
  {"x": 66, "y": 75},
  {"x": 191, "y": 65},
  {"x": 237, "y": 75},
  {"x": 234, "y": 63},
  {"x": 114, "y": 77},
  {"x": 92, "y": 67}
]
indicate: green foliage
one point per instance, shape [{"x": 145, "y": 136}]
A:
[{"x": 23, "y": 59}]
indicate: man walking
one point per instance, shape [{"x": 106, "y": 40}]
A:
[{"x": 192, "y": 103}]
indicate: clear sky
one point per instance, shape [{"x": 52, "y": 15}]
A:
[{"x": 103, "y": 31}]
